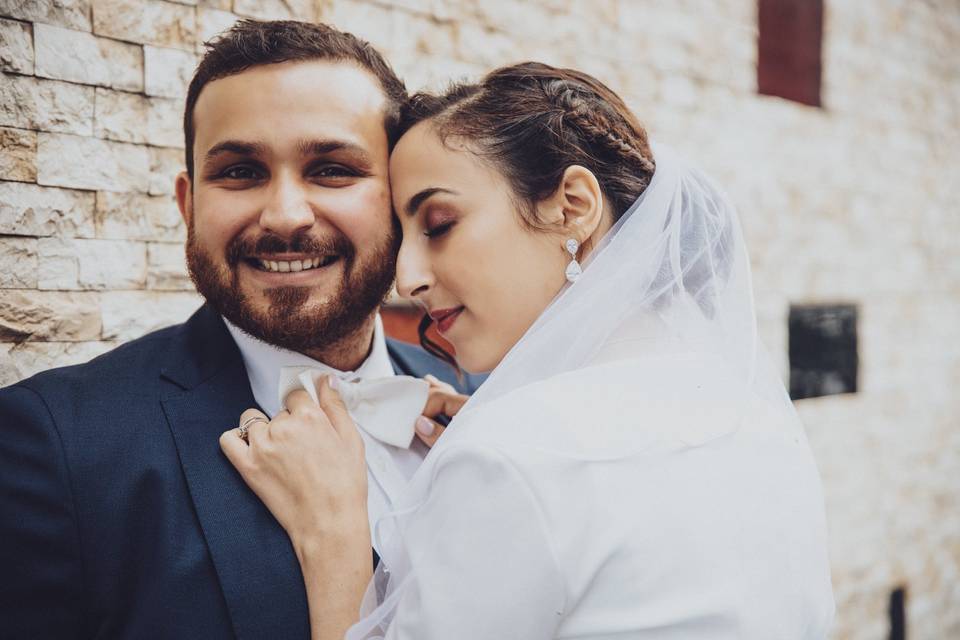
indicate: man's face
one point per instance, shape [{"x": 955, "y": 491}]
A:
[{"x": 290, "y": 234}]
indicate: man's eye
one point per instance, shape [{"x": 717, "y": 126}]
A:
[
  {"x": 240, "y": 172},
  {"x": 332, "y": 171}
]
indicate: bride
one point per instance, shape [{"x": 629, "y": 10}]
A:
[{"x": 632, "y": 467}]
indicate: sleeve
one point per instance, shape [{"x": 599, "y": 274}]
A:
[
  {"x": 41, "y": 586},
  {"x": 474, "y": 561}
]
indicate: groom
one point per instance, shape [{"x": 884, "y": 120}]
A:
[{"x": 119, "y": 515}]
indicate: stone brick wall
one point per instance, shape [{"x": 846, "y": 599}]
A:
[{"x": 854, "y": 202}]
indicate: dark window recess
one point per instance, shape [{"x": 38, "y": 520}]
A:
[
  {"x": 898, "y": 614},
  {"x": 788, "y": 49},
  {"x": 823, "y": 350}
]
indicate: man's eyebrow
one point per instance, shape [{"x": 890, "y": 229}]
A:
[
  {"x": 417, "y": 200},
  {"x": 237, "y": 147},
  {"x": 323, "y": 147}
]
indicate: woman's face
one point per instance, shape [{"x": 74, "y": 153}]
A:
[{"x": 466, "y": 255}]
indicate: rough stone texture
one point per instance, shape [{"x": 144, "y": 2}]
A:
[
  {"x": 211, "y": 22},
  {"x": 30, "y": 210},
  {"x": 48, "y": 316},
  {"x": 277, "y": 9},
  {"x": 63, "y": 54},
  {"x": 18, "y": 263},
  {"x": 74, "y": 14},
  {"x": 165, "y": 164},
  {"x": 130, "y": 314},
  {"x": 18, "y": 155},
  {"x": 46, "y": 105},
  {"x": 156, "y": 22},
  {"x": 111, "y": 166},
  {"x": 138, "y": 216},
  {"x": 78, "y": 263},
  {"x": 167, "y": 267},
  {"x": 20, "y": 361},
  {"x": 16, "y": 47},
  {"x": 167, "y": 71},
  {"x": 855, "y": 202},
  {"x": 130, "y": 117}
]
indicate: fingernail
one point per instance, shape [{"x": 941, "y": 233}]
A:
[
  {"x": 332, "y": 381},
  {"x": 424, "y": 427},
  {"x": 430, "y": 378}
]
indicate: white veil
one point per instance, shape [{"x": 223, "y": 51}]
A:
[{"x": 674, "y": 265}]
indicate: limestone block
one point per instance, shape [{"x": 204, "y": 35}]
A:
[
  {"x": 48, "y": 316},
  {"x": 165, "y": 164},
  {"x": 375, "y": 23},
  {"x": 276, "y": 9},
  {"x": 46, "y": 105},
  {"x": 131, "y": 117},
  {"x": 18, "y": 155},
  {"x": 131, "y": 314},
  {"x": 223, "y": 5},
  {"x": 167, "y": 267},
  {"x": 154, "y": 22},
  {"x": 212, "y": 22},
  {"x": 74, "y": 14},
  {"x": 16, "y": 47},
  {"x": 30, "y": 210},
  {"x": 80, "y": 263},
  {"x": 89, "y": 163},
  {"x": 20, "y": 361},
  {"x": 167, "y": 71},
  {"x": 64, "y": 54},
  {"x": 18, "y": 263},
  {"x": 138, "y": 216}
]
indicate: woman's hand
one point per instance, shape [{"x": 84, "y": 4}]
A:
[
  {"x": 307, "y": 465},
  {"x": 443, "y": 400}
]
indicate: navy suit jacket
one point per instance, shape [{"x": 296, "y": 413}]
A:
[{"x": 119, "y": 515}]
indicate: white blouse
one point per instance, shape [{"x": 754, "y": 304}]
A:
[{"x": 631, "y": 499}]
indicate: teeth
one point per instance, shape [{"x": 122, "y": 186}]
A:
[{"x": 284, "y": 266}]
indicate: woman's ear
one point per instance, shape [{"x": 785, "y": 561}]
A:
[{"x": 580, "y": 200}]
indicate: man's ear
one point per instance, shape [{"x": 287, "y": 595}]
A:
[
  {"x": 580, "y": 200},
  {"x": 184, "y": 190}
]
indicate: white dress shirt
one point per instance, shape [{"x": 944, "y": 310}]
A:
[{"x": 389, "y": 468}]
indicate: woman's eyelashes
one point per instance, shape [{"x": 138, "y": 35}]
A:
[{"x": 438, "y": 223}]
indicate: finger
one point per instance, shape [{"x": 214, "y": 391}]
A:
[
  {"x": 333, "y": 405},
  {"x": 437, "y": 383},
  {"x": 299, "y": 401},
  {"x": 257, "y": 424},
  {"x": 443, "y": 402},
  {"x": 428, "y": 431},
  {"x": 236, "y": 450}
]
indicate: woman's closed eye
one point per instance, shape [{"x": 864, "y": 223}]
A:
[{"x": 438, "y": 230}]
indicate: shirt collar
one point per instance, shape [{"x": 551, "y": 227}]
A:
[{"x": 264, "y": 361}]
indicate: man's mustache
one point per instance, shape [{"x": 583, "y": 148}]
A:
[{"x": 270, "y": 243}]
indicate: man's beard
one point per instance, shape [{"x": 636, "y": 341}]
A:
[{"x": 290, "y": 322}]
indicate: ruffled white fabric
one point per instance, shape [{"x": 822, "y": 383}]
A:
[{"x": 632, "y": 469}]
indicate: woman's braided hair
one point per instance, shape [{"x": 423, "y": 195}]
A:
[{"x": 531, "y": 122}]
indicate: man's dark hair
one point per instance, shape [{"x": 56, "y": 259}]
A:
[{"x": 252, "y": 43}]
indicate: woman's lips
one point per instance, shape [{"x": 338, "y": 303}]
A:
[{"x": 445, "y": 318}]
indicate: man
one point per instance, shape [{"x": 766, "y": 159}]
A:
[{"x": 119, "y": 515}]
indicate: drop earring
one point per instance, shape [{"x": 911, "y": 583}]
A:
[{"x": 573, "y": 269}]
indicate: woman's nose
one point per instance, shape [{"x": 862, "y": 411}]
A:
[
  {"x": 414, "y": 277},
  {"x": 287, "y": 210}
]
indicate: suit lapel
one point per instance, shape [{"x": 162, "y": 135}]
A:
[{"x": 254, "y": 560}]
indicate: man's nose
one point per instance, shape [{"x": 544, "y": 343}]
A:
[
  {"x": 288, "y": 209},
  {"x": 414, "y": 276}
]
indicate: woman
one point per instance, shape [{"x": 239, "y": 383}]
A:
[{"x": 632, "y": 467}]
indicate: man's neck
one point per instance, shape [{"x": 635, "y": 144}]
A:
[{"x": 348, "y": 353}]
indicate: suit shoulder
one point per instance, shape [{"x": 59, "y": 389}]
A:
[
  {"x": 413, "y": 360},
  {"x": 120, "y": 363}
]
